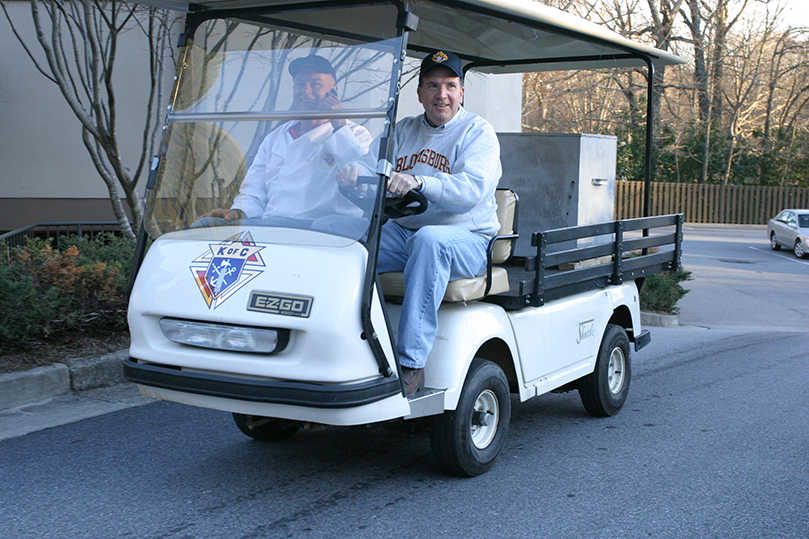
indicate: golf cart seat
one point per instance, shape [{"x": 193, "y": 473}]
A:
[{"x": 495, "y": 280}]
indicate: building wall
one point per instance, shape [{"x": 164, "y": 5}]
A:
[{"x": 46, "y": 173}]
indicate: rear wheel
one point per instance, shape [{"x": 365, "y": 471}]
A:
[
  {"x": 774, "y": 242},
  {"x": 467, "y": 440},
  {"x": 604, "y": 391},
  {"x": 266, "y": 429},
  {"x": 799, "y": 250}
]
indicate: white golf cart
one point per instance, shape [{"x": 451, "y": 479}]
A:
[{"x": 285, "y": 322}]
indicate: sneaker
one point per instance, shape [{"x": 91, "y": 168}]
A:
[{"x": 413, "y": 380}]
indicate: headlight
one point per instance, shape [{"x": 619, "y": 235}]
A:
[{"x": 222, "y": 337}]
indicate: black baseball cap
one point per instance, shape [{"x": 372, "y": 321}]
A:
[
  {"x": 441, "y": 58},
  {"x": 317, "y": 63}
]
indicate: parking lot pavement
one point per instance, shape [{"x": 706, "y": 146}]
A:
[{"x": 739, "y": 282}]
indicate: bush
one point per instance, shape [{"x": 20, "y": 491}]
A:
[
  {"x": 25, "y": 312},
  {"x": 661, "y": 292},
  {"x": 82, "y": 289}
]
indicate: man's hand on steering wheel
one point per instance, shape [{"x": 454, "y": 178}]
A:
[
  {"x": 406, "y": 199},
  {"x": 399, "y": 183},
  {"x": 347, "y": 177}
]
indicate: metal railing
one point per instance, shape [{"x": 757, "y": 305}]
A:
[{"x": 56, "y": 230}]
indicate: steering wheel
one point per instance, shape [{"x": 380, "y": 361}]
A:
[{"x": 412, "y": 203}]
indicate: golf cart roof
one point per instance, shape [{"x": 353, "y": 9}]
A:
[{"x": 495, "y": 36}]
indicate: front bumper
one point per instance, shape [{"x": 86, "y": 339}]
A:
[{"x": 262, "y": 391}]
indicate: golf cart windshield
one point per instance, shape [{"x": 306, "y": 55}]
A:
[{"x": 262, "y": 120}]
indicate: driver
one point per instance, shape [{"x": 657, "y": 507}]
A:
[
  {"x": 452, "y": 157},
  {"x": 292, "y": 178}
]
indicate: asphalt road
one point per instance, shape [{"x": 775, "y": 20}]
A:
[
  {"x": 741, "y": 283},
  {"x": 713, "y": 442}
]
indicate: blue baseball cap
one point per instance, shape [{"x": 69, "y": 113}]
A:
[
  {"x": 441, "y": 58},
  {"x": 317, "y": 63}
]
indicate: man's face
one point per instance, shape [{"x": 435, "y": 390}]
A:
[
  {"x": 441, "y": 94},
  {"x": 308, "y": 88}
]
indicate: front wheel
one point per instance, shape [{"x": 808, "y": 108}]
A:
[
  {"x": 603, "y": 392},
  {"x": 774, "y": 243},
  {"x": 266, "y": 429},
  {"x": 467, "y": 440},
  {"x": 799, "y": 250}
]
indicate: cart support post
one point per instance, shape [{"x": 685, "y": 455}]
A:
[{"x": 650, "y": 120}]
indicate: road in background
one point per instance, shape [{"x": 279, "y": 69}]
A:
[{"x": 741, "y": 283}]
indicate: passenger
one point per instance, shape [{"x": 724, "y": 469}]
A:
[
  {"x": 292, "y": 178},
  {"x": 452, "y": 157}
]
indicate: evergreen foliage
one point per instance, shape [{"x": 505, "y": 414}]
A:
[
  {"x": 661, "y": 291},
  {"x": 80, "y": 288}
]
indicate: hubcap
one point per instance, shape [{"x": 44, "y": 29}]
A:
[
  {"x": 616, "y": 370},
  {"x": 485, "y": 418},
  {"x": 798, "y": 249}
]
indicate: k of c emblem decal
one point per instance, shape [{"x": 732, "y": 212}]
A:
[
  {"x": 440, "y": 57},
  {"x": 226, "y": 267}
]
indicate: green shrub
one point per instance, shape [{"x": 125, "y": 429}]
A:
[
  {"x": 81, "y": 289},
  {"x": 26, "y": 313},
  {"x": 661, "y": 291}
]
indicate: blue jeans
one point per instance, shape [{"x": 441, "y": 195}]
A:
[{"x": 430, "y": 257}]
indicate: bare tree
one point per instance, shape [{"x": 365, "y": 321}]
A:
[
  {"x": 743, "y": 91},
  {"x": 738, "y": 112},
  {"x": 699, "y": 39},
  {"x": 787, "y": 98},
  {"x": 80, "y": 40},
  {"x": 710, "y": 28}
]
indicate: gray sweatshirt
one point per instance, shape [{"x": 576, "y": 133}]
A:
[{"x": 459, "y": 164}]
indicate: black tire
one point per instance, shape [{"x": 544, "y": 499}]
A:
[
  {"x": 798, "y": 249},
  {"x": 774, "y": 245},
  {"x": 266, "y": 429},
  {"x": 604, "y": 391},
  {"x": 467, "y": 440}
]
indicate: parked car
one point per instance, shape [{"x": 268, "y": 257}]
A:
[{"x": 790, "y": 228}]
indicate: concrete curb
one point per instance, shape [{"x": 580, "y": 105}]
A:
[
  {"x": 659, "y": 320},
  {"x": 103, "y": 371},
  {"x": 42, "y": 383},
  {"x": 18, "y": 388}
]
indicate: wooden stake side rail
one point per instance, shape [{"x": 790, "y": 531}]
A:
[{"x": 581, "y": 258}]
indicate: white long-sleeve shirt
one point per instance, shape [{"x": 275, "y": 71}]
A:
[{"x": 295, "y": 175}]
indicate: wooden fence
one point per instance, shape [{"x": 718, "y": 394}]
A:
[{"x": 724, "y": 204}]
